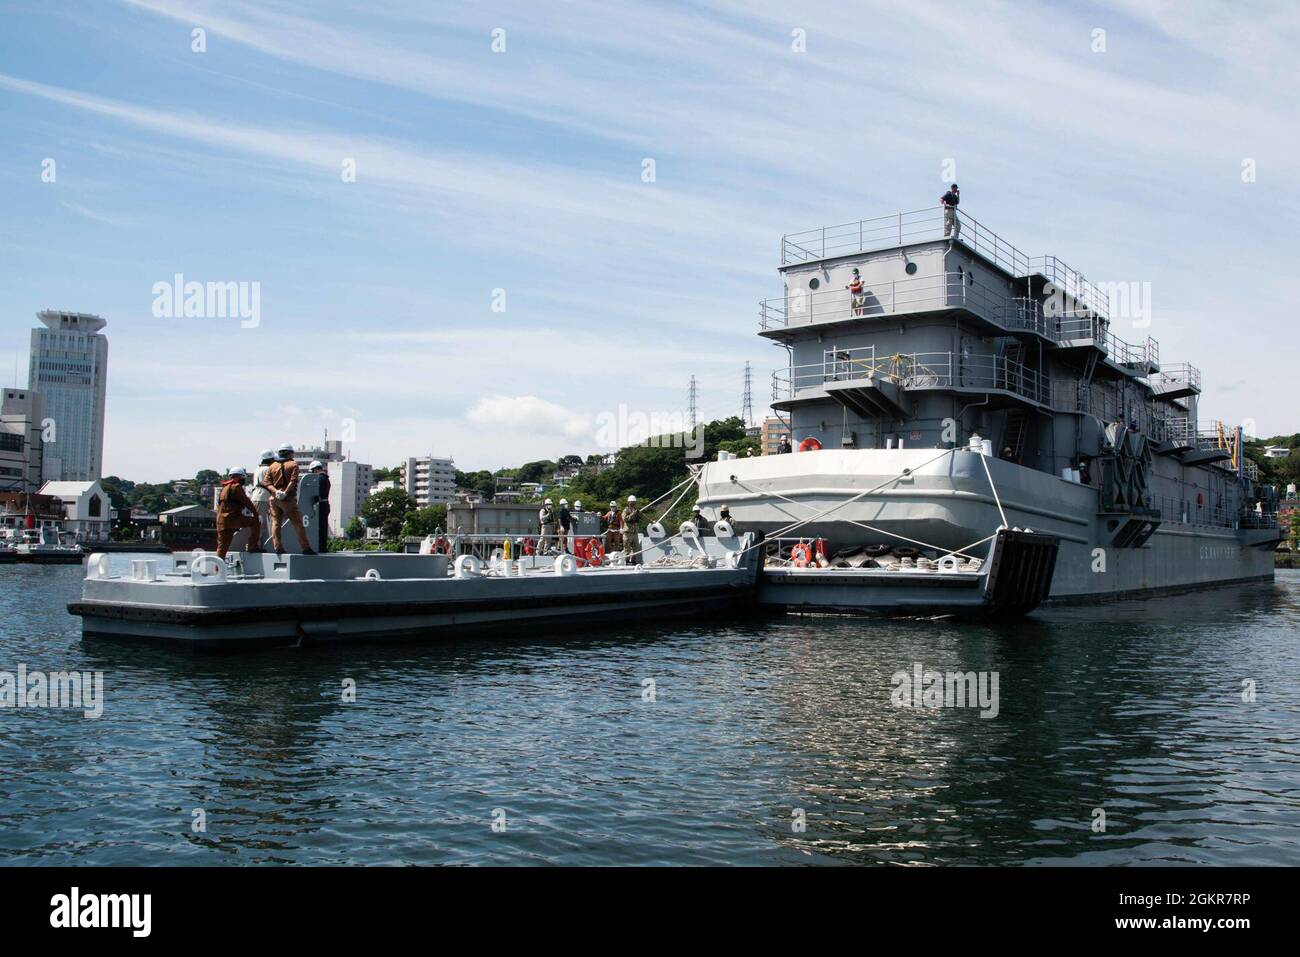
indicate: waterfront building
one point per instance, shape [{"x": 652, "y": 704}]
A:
[
  {"x": 20, "y": 440},
  {"x": 429, "y": 480},
  {"x": 1276, "y": 451},
  {"x": 86, "y": 512},
  {"x": 68, "y": 369}
]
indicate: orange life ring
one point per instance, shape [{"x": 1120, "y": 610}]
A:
[
  {"x": 809, "y": 445},
  {"x": 595, "y": 551},
  {"x": 800, "y": 555}
]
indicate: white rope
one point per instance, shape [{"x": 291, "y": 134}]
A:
[{"x": 984, "y": 462}]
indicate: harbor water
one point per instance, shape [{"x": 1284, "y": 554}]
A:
[{"x": 1141, "y": 732}]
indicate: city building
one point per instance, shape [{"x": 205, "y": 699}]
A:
[
  {"x": 430, "y": 481},
  {"x": 331, "y": 450},
  {"x": 68, "y": 369},
  {"x": 87, "y": 515},
  {"x": 20, "y": 440},
  {"x": 187, "y": 526},
  {"x": 350, "y": 486},
  {"x": 773, "y": 431}
]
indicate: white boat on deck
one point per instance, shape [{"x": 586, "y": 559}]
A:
[{"x": 252, "y": 599}]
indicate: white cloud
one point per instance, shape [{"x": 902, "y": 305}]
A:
[{"x": 529, "y": 414}]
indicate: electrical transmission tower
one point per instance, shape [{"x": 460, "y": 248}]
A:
[
  {"x": 690, "y": 405},
  {"x": 747, "y": 403}
]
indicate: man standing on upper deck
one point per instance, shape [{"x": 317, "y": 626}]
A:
[
  {"x": 857, "y": 293},
  {"x": 949, "y": 201}
]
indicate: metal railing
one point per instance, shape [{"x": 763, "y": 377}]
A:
[
  {"x": 952, "y": 290},
  {"x": 943, "y": 291},
  {"x": 920, "y": 225},
  {"x": 1176, "y": 511},
  {"x": 1177, "y": 374},
  {"x": 917, "y": 370}
]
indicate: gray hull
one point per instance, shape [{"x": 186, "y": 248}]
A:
[
  {"x": 949, "y": 504},
  {"x": 259, "y": 600}
]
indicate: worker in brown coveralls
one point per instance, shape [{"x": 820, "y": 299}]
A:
[
  {"x": 231, "y": 505},
  {"x": 631, "y": 533},
  {"x": 283, "y": 478},
  {"x": 613, "y": 528}
]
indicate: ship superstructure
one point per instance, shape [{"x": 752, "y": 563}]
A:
[{"x": 903, "y": 343}]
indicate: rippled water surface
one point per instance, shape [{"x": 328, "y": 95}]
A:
[{"x": 756, "y": 726}]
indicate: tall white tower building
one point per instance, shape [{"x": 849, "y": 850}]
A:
[{"x": 69, "y": 368}]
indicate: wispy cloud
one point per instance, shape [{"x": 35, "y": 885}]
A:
[{"x": 91, "y": 214}]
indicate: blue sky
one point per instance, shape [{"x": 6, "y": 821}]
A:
[{"x": 522, "y": 170}]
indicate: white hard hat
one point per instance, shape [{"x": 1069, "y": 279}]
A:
[
  {"x": 265, "y": 454},
  {"x": 631, "y": 498},
  {"x": 316, "y": 464},
  {"x": 564, "y": 501},
  {"x": 548, "y": 502},
  {"x": 239, "y": 470},
  {"x": 613, "y": 503},
  {"x": 286, "y": 447},
  {"x": 695, "y": 508},
  {"x": 578, "y": 504}
]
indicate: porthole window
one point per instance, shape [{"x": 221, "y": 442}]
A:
[
  {"x": 910, "y": 269},
  {"x": 814, "y": 282}
]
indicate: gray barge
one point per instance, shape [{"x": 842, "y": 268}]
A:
[{"x": 257, "y": 599}]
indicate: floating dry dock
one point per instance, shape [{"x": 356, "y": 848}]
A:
[{"x": 262, "y": 599}]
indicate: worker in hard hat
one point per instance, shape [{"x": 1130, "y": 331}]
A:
[
  {"x": 631, "y": 538},
  {"x": 282, "y": 476},
  {"x": 724, "y": 515},
  {"x": 317, "y": 467},
  {"x": 546, "y": 519},
  {"x": 702, "y": 523},
  {"x": 613, "y": 528},
  {"x": 262, "y": 491},
  {"x": 235, "y": 510},
  {"x": 565, "y": 518}
]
